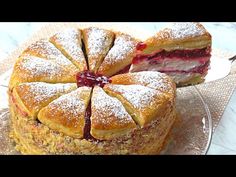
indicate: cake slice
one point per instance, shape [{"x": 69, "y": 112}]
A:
[
  {"x": 35, "y": 69},
  {"x": 97, "y": 43},
  {"x": 45, "y": 49},
  {"x": 109, "y": 119},
  {"x": 142, "y": 103},
  {"x": 120, "y": 56},
  {"x": 151, "y": 79},
  {"x": 182, "y": 50},
  {"x": 29, "y": 98},
  {"x": 67, "y": 113},
  {"x": 70, "y": 44}
]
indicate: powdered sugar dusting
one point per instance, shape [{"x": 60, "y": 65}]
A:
[
  {"x": 152, "y": 79},
  {"x": 72, "y": 104},
  {"x": 98, "y": 41},
  {"x": 40, "y": 67},
  {"x": 41, "y": 91},
  {"x": 44, "y": 48},
  {"x": 183, "y": 30},
  {"x": 123, "y": 46},
  {"x": 106, "y": 107},
  {"x": 139, "y": 96},
  {"x": 70, "y": 40}
]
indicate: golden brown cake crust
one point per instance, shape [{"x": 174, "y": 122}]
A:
[
  {"x": 69, "y": 42},
  {"x": 109, "y": 119},
  {"x": 33, "y": 96},
  {"x": 179, "y": 36},
  {"x": 35, "y": 69},
  {"x": 151, "y": 79},
  {"x": 119, "y": 56},
  {"x": 97, "y": 43},
  {"x": 143, "y": 103}
]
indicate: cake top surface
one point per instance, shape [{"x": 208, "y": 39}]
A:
[
  {"x": 182, "y": 30},
  {"x": 39, "y": 66},
  {"x": 98, "y": 40},
  {"x": 123, "y": 46},
  {"x": 72, "y": 103},
  {"x": 41, "y": 91},
  {"x": 108, "y": 107},
  {"x": 70, "y": 40},
  {"x": 153, "y": 79},
  {"x": 44, "y": 48},
  {"x": 139, "y": 96}
]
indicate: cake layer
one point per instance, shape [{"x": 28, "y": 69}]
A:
[
  {"x": 174, "y": 54},
  {"x": 45, "y": 49},
  {"x": 151, "y": 79},
  {"x": 183, "y": 79},
  {"x": 31, "y": 97},
  {"x": 35, "y": 69},
  {"x": 120, "y": 56},
  {"x": 178, "y": 36},
  {"x": 181, "y": 65},
  {"x": 69, "y": 42},
  {"x": 109, "y": 118},
  {"x": 143, "y": 103},
  {"x": 67, "y": 113},
  {"x": 97, "y": 43},
  {"x": 170, "y": 64}
]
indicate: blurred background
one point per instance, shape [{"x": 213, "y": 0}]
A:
[{"x": 13, "y": 34}]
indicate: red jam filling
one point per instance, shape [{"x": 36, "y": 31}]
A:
[
  {"x": 141, "y": 46},
  {"x": 87, "y": 126},
  {"x": 90, "y": 79},
  {"x": 182, "y": 54}
]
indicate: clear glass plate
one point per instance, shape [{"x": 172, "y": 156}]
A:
[{"x": 192, "y": 131}]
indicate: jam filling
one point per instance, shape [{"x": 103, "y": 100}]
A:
[
  {"x": 182, "y": 54},
  {"x": 87, "y": 126},
  {"x": 90, "y": 79},
  {"x": 141, "y": 46}
]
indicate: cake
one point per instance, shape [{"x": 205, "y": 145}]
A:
[
  {"x": 182, "y": 51},
  {"x": 72, "y": 93},
  {"x": 97, "y": 43}
]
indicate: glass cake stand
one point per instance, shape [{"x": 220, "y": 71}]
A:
[{"x": 192, "y": 131}]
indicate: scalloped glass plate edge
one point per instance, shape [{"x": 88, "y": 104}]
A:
[
  {"x": 209, "y": 121},
  {"x": 191, "y": 134}
]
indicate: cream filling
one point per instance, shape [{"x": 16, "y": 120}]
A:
[{"x": 168, "y": 64}]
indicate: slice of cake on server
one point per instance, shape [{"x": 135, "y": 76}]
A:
[{"x": 182, "y": 50}]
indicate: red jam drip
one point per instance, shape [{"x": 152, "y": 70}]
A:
[
  {"x": 90, "y": 79},
  {"x": 87, "y": 126},
  {"x": 183, "y": 54},
  {"x": 141, "y": 46}
]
